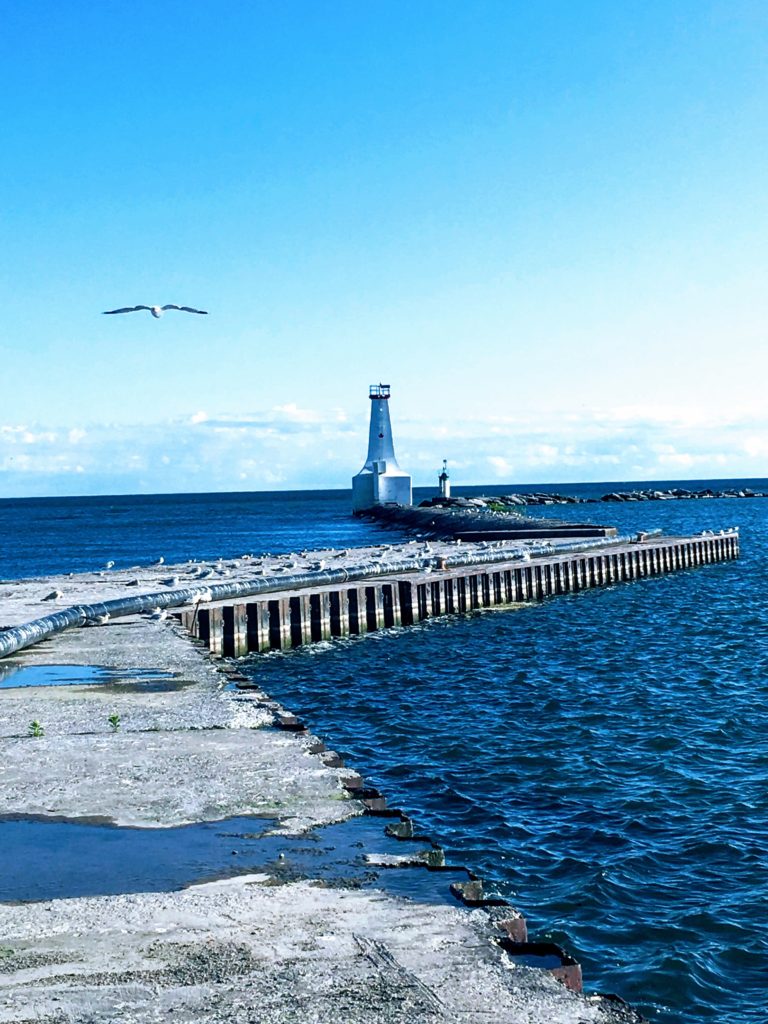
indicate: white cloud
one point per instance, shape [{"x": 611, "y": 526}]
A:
[
  {"x": 288, "y": 446},
  {"x": 294, "y": 414},
  {"x": 499, "y": 465},
  {"x": 678, "y": 459},
  {"x": 756, "y": 446},
  {"x": 543, "y": 455}
]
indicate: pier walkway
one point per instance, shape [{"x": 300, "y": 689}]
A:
[
  {"x": 440, "y": 585},
  {"x": 283, "y": 602}
]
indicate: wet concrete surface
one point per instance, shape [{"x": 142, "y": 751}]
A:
[
  {"x": 46, "y": 859},
  {"x": 201, "y": 752},
  {"x": 141, "y": 680},
  {"x": 246, "y": 950},
  {"x": 320, "y": 933}
]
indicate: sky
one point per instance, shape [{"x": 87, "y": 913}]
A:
[{"x": 545, "y": 225}]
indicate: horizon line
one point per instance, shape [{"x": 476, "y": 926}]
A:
[{"x": 510, "y": 487}]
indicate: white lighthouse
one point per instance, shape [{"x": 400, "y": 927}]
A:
[{"x": 380, "y": 481}]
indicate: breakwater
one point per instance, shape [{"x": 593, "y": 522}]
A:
[
  {"x": 185, "y": 587},
  {"x": 478, "y": 519},
  {"x": 510, "y": 502},
  {"x": 308, "y": 610},
  {"x": 195, "y": 766}
]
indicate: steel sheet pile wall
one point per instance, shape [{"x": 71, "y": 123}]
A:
[{"x": 334, "y": 609}]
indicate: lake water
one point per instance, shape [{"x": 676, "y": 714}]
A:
[{"x": 600, "y": 759}]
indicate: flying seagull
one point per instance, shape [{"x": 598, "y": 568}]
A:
[{"x": 156, "y": 311}]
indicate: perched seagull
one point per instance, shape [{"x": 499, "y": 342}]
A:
[
  {"x": 98, "y": 620},
  {"x": 53, "y": 596},
  {"x": 156, "y": 311}
]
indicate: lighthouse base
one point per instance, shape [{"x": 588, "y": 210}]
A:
[{"x": 371, "y": 489}]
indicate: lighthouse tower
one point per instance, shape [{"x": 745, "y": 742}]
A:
[{"x": 380, "y": 481}]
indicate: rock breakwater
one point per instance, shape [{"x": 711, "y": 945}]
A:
[
  {"x": 508, "y": 502},
  {"x": 478, "y": 520}
]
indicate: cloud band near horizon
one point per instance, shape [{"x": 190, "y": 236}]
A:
[{"x": 287, "y": 448}]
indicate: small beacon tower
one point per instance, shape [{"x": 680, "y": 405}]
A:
[
  {"x": 380, "y": 481},
  {"x": 445, "y": 481}
]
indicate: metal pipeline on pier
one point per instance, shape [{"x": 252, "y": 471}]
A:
[{"x": 18, "y": 637}]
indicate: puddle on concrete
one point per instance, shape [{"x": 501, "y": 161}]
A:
[
  {"x": 50, "y": 859},
  {"x": 134, "y": 679}
]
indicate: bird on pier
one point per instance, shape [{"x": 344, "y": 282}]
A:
[
  {"x": 156, "y": 311},
  {"x": 54, "y": 595},
  {"x": 98, "y": 620}
]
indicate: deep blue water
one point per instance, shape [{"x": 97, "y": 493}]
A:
[
  {"x": 600, "y": 759},
  {"x": 42, "y": 536}
]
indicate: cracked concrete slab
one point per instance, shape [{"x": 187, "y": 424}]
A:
[
  {"x": 198, "y": 753},
  {"x": 246, "y": 951}
]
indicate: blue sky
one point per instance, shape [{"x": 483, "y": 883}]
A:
[{"x": 543, "y": 224}]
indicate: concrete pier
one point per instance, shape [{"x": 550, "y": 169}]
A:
[
  {"x": 262, "y": 945},
  {"x": 312, "y": 613},
  {"x": 199, "y": 750}
]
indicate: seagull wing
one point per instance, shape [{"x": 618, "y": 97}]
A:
[
  {"x": 126, "y": 309},
  {"x": 187, "y": 309}
]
